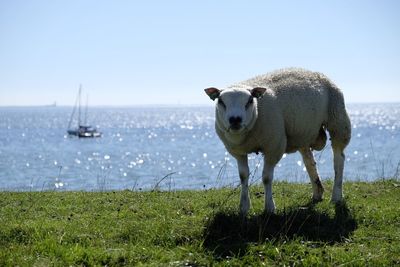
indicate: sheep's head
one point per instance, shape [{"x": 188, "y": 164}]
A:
[{"x": 236, "y": 109}]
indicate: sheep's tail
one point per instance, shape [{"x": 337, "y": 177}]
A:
[{"x": 338, "y": 125}]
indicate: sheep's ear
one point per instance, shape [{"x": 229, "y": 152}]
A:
[
  {"x": 258, "y": 92},
  {"x": 212, "y": 92}
]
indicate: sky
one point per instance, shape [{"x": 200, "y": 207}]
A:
[{"x": 166, "y": 52}]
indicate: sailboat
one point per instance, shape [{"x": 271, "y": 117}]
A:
[{"x": 82, "y": 130}]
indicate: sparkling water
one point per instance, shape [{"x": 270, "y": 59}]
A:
[{"x": 169, "y": 148}]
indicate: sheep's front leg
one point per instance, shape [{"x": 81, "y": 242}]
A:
[
  {"x": 267, "y": 177},
  {"x": 244, "y": 179}
]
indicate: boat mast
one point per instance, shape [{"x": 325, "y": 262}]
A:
[
  {"x": 86, "y": 109},
  {"x": 79, "y": 106},
  {"x": 73, "y": 112}
]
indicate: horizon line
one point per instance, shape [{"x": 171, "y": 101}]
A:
[{"x": 161, "y": 105}]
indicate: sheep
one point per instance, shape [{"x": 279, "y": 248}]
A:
[{"x": 281, "y": 112}]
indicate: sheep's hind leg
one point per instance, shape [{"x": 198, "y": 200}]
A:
[
  {"x": 244, "y": 173},
  {"x": 311, "y": 167},
  {"x": 339, "y": 128},
  {"x": 338, "y": 164}
]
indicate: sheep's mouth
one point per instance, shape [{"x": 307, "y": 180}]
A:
[{"x": 236, "y": 129}]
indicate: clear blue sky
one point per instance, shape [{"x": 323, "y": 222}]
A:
[{"x": 166, "y": 52}]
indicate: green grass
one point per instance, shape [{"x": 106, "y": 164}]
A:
[{"x": 201, "y": 228}]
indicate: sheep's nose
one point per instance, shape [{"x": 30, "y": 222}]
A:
[{"x": 235, "y": 122}]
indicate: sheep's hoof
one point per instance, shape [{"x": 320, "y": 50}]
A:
[
  {"x": 317, "y": 197},
  {"x": 270, "y": 209},
  {"x": 243, "y": 216},
  {"x": 337, "y": 199},
  {"x": 244, "y": 208},
  {"x": 315, "y": 200}
]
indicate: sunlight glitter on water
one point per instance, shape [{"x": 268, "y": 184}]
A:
[{"x": 142, "y": 145}]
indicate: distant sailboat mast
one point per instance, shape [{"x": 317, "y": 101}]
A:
[
  {"x": 79, "y": 106},
  {"x": 73, "y": 112},
  {"x": 86, "y": 108}
]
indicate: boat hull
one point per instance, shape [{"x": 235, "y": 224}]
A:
[{"x": 84, "y": 132}]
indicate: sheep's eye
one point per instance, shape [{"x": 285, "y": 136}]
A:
[
  {"x": 249, "y": 102},
  {"x": 220, "y": 102}
]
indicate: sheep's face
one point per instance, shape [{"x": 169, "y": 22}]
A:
[{"x": 236, "y": 110}]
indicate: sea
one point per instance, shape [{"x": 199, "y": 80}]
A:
[{"x": 169, "y": 148}]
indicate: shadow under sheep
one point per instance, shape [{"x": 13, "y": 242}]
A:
[{"x": 227, "y": 234}]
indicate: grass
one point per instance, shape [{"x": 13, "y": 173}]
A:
[{"x": 197, "y": 228}]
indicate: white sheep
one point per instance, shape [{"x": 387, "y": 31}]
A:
[{"x": 282, "y": 112}]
